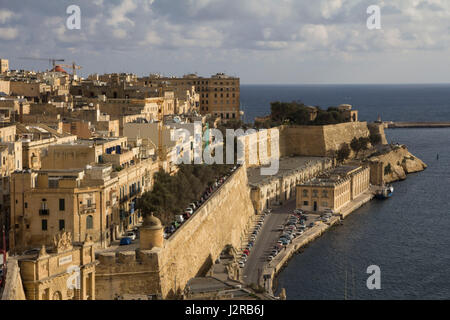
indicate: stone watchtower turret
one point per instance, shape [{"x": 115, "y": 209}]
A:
[{"x": 151, "y": 233}]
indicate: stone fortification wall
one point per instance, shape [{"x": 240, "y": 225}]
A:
[
  {"x": 13, "y": 289},
  {"x": 319, "y": 141},
  {"x": 188, "y": 253}
]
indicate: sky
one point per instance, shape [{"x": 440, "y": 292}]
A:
[{"x": 260, "y": 41}]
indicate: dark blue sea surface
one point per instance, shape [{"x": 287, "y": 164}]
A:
[
  {"x": 408, "y": 235},
  {"x": 391, "y": 102}
]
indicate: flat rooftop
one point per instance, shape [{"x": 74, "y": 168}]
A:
[
  {"x": 287, "y": 166},
  {"x": 332, "y": 177}
]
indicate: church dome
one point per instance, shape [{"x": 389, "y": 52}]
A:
[{"x": 59, "y": 69}]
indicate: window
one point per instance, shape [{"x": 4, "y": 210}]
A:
[
  {"x": 315, "y": 193},
  {"x": 89, "y": 222},
  {"x": 26, "y": 205},
  {"x": 62, "y": 225},
  {"x": 324, "y": 193},
  {"x": 305, "y": 203},
  {"x": 305, "y": 193},
  {"x": 62, "y": 205},
  {"x": 44, "y": 225},
  {"x": 324, "y": 204},
  {"x": 53, "y": 183}
]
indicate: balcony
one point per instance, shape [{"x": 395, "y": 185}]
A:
[
  {"x": 44, "y": 212},
  {"x": 85, "y": 208}
]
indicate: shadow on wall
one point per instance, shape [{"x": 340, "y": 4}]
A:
[{"x": 205, "y": 267}]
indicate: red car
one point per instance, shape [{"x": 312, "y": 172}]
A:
[
  {"x": 186, "y": 215},
  {"x": 246, "y": 252}
]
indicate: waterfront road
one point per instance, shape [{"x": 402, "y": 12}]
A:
[{"x": 265, "y": 241}]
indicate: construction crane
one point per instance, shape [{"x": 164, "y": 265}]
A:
[
  {"x": 73, "y": 66},
  {"x": 51, "y": 61}
]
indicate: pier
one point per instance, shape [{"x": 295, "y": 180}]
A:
[{"x": 425, "y": 124}]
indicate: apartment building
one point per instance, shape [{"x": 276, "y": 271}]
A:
[
  {"x": 219, "y": 95},
  {"x": 4, "y": 65}
]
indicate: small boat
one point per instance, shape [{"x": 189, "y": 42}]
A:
[{"x": 385, "y": 192}]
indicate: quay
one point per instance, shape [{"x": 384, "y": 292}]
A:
[
  {"x": 397, "y": 125},
  {"x": 265, "y": 273}
]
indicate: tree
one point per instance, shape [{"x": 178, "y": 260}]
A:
[
  {"x": 354, "y": 144},
  {"x": 343, "y": 153},
  {"x": 172, "y": 194},
  {"x": 358, "y": 144},
  {"x": 363, "y": 143}
]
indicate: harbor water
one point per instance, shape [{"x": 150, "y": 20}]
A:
[{"x": 406, "y": 236}]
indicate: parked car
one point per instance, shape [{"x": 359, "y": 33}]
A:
[
  {"x": 179, "y": 218},
  {"x": 186, "y": 215},
  {"x": 269, "y": 258},
  {"x": 311, "y": 225},
  {"x": 189, "y": 210},
  {"x": 125, "y": 241},
  {"x": 241, "y": 264},
  {"x": 131, "y": 235}
]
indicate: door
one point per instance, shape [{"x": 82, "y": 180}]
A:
[{"x": 315, "y": 205}]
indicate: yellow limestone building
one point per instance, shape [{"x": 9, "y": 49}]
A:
[
  {"x": 65, "y": 272},
  {"x": 333, "y": 189}
]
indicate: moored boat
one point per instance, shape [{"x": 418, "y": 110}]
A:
[{"x": 385, "y": 192}]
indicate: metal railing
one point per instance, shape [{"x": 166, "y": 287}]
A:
[{"x": 44, "y": 212}]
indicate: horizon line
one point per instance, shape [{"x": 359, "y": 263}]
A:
[{"x": 347, "y": 84}]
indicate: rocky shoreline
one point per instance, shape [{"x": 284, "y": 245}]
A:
[{"x": 398, "y": 162}]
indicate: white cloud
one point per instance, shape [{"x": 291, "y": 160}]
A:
[
  {"x": 118, "y": 14},
  {"x": 219, "y": 32},
  {"x": 314, "y": 35},
  {"x": 8, "y": 33},
  {"x": 152, "y": 38},
  {"x": 119, "y": 33},
  {"x": 329, "y": 8},
  {"x": 6, "y": 15}
]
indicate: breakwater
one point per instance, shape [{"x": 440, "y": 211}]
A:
[{"x": 434, "y": 124}]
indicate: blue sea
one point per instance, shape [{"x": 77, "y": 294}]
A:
[
  {"x": 407, "y": 236},
  {"x": 391, "y": 102}
]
